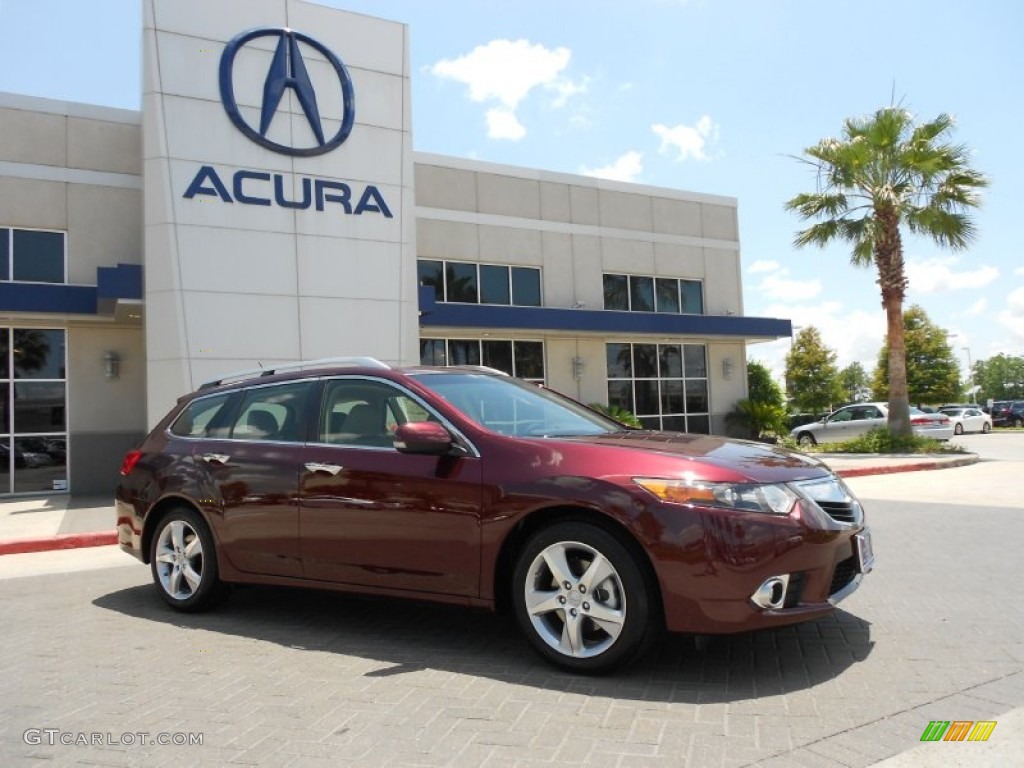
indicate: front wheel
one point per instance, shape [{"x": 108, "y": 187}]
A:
[
  {"x": 806, "y": 440},
  {"x": 986, "y": 428},
  {"x": 1018, "y": 423},
  {"x": 184, "y": 562},
  {"x": 581, "y": 598}
]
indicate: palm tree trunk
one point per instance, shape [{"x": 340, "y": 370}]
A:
[{"x": 892, "y": 280}]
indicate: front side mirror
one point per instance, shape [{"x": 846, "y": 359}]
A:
[{"x": 423, "y": 437}]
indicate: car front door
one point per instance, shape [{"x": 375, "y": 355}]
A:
[{"x": 373, "y": 516}]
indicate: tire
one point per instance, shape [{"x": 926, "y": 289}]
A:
[
  {"x": 958, "y": 429},
  {"x": 1018, "y": 422},
  {"x": 986, "y": 428},
  {"x": 806, "y": 439},
  {"x": 183, "y": 560},
  {"x": 617, "y": 590}
]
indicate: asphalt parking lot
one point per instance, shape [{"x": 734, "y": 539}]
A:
[{"x": 284, "y": 678}]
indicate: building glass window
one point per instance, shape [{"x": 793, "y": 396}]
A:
[
  {"x": 460, "y": 283},
  {"x": 664, "y": 385},
  {"x": 5, "y": 254},
  {"x": 33, "y": 427},
  {"x": 469, "y": 283},
  {"x": 693, "y": 297},
  {"x": 431, "y": 273},
  {"x": 667, "y": 295},
  {"x": 522, "y": 359},
  {"x": 616, "y": 292},
  {"x": 641, "y": 294},
  {"x": 494, "y": 287},
  {"x": 32, "y": 256},
  {"x": 525, "y": 287}
]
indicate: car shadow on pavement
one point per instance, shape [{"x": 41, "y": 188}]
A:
[{"x": 408, "y": 636}]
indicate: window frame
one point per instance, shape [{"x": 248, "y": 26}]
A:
[{"x": 12, "y": 255}]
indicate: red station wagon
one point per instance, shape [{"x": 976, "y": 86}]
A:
[{"x": 467, "y": 486}]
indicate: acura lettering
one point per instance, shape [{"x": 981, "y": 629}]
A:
[{"x": 263, "y": 188}]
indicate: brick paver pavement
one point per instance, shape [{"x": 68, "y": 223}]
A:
[{"x": 287, "y": 678}]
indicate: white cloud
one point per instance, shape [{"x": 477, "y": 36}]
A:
[
  {"x": 506, "y": 71},
  {"x": 687, "y": 141},
  {"x": 1019, "y": 271},
  {"x": 1012, "y": 318},
  {"x": 936, "y": 275},
  {"x": 779, "y": 288},
  {"x": 976, "y": 309},
  {"x": 763, "y": 265},
  {"x": 854, "y": 336},
  {"x": 503, "y": 124},
  {"x": 627, "y": 168}
]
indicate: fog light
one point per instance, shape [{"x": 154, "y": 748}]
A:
[{"x": 772, "y": 593}]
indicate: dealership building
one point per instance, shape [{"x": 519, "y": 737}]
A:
[{"x": 267, "y": 206}]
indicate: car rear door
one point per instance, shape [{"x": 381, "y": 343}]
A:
[
  {"x": 375, "y": 517},
  {"x": 252, "y": 473}
]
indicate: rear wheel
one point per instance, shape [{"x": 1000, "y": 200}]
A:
[
  {"x": 184, "y": 561},
  {"x": 806, "y": 439},
  {"x": 958, "y": 429},
  {"x": 581, "y": 598}
]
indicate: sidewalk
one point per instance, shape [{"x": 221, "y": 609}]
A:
[{"x": 65, "y": 522}]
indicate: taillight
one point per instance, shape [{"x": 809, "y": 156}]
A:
[{"x": 130, "y": 460}]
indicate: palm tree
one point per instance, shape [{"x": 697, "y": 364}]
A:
[{"x": 883, "y": 174}]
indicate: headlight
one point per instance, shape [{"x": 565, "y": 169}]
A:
[{"x": 770, "y": 499}]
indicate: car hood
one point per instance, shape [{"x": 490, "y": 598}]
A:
[{"x": 743, "y": 459}]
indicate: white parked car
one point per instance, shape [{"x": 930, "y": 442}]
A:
[
  {"x": 852, "y": 421},
  {"x": 968, "y": 419}
]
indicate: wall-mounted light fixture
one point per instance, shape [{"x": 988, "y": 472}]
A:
[
  {"x": 577, "y": 368},
  {"x": 111, "y": 364},
  {"x": 727, "y": 367}
]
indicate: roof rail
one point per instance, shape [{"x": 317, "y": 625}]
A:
[{"x": 323, "y": 362}]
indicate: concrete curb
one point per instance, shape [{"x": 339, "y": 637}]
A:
[
  {"x": 59, "y": 541},
  {"x": 921, "y": 466}
]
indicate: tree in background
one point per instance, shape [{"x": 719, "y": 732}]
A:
[
  {"x": 761, "y": 387},
  {"x": 883, "y": 174},
  {"x": 763, "y": 412},
  {"x": 855, "y": 383},
  {"x": 1000, "y": 377},
  {"x": 812, "y": 378},
  {"x": 933, "y": 374}
]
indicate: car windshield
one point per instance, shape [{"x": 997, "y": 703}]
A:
[{"x": 513, "y": 407}]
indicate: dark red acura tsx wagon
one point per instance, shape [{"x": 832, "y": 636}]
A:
[{"x": 468, "y": 486}]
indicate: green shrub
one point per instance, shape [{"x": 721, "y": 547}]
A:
[
  {"x": 620, "y": 415},
  {"x": 757, "y": 419},
  {"x": 881, "y": 440}
]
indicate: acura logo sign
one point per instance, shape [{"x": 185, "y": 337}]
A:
[{"x": 287, "y": 70}]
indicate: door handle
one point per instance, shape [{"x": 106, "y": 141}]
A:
[
  {"x": 316, "y": 466},
  {"x": 219, "y": 458}
]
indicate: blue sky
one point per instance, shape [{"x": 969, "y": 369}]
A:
[{"x": 711, "y": 96}]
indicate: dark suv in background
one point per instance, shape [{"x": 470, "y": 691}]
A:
[
  {"x": 467, "y": 486},
  {"x": 1008, "y": 413}
]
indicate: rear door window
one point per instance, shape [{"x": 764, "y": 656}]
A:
[{"x": 274, "y": 413}]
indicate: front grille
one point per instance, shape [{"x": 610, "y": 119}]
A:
[
  {"x": 842, "y": 511},
  {"x": 845, "y": 572}
]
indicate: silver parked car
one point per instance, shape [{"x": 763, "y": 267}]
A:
[
  {"x": 970, "y": 419},
  {"x": 852, "y": 421}
]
